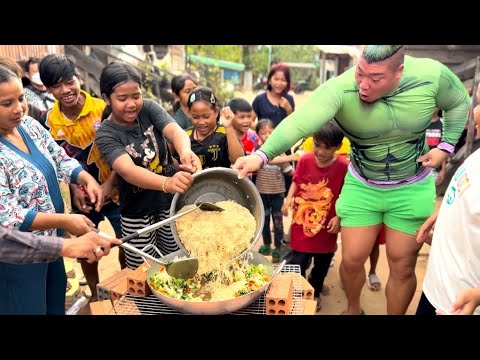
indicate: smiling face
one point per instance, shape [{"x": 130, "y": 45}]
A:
[
  {"x": 126, "y": 102},
  {"x": 204, "y": 117},
  {"x": 375, "y": 80},
  {"x": 67, "y": 92},
  {"x": 242, "y": 121},
  {"x": 11, "y": 105},
  {"x": 278, "y": 82}
]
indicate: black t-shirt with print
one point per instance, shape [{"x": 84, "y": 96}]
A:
[
  {"x": 213, "y": 150},
  {"x": 147, "y": 148}
]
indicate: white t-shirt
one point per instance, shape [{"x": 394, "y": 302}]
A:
[{"x": 454, "y": 261}]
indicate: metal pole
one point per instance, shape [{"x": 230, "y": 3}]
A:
[{"x": 471, "y": 119}]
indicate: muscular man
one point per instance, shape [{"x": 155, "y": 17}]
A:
[
  {"x": 18, "y": 247},
  {"x": 384, "y": 105}
]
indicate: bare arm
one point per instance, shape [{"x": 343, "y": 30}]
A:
[
  {"x": 282, "y": 159},
  {"x": 253, "y": 123},
  {"x": 235, "y": 149},
  {"x": 289, "y": 199},
  {"x": 181, "y": 142},
  {"x": 141, "y": 177}
]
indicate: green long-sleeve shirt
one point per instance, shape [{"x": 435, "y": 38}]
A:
[{"x": 386, "y": 136}]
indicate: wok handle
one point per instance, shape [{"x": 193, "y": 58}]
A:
[
  {"x": 278, "y": 269},
  {"x": 145, "y": 230}
]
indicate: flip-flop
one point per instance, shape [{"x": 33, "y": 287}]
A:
[{"x": 374, "y": 282}]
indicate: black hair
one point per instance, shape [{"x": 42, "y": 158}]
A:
[
  {"x": 203, "y": 94},
  {"x": 55, "y": 68},
  {"x": 177, "y": 84},
  {"x": 239, "y": 104},
  {"x": 115, "y": 74},
  {"x": 106, "y": 112},
  {"x": 330, "y": 134},
  {"x": 263, "y": 124},
  {"x": 32, "y": 60},
  {"x": 286, "y": 72}
]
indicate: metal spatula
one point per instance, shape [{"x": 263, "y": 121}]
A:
[{"x": 183, "y": 268}]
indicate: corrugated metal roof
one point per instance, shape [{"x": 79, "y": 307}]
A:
[{"x": 24, "y": 52}]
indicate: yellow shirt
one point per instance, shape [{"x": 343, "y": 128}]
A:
[{"x": 307, "y": 146}]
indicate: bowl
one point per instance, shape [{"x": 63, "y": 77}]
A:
[{"x": 221, "y": 184}]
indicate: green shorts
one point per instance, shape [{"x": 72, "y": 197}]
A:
[{"x": 404, "y": 208}]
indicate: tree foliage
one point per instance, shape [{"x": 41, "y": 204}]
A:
[
  {"x": 294, "y": 53},
  {"x": 256, "y": 58},
  {"x": 219, "y": 52}
]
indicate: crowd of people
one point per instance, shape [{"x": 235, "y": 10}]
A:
[{"x": 378, "y": 146}]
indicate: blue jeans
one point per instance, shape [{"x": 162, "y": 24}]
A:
[{"x": 273, "y": 206}]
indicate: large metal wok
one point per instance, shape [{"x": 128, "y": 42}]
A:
[
  {"x": 214, "y": 307},
  {"x": 220, "y": 184}
]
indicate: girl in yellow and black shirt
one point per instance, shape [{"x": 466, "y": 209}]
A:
[{"x": 215, "y": 144}]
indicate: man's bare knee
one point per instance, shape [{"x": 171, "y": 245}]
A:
[{"x": 351, "y": 266}]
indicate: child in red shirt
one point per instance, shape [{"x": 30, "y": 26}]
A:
[{"x": 315, "y": 188}]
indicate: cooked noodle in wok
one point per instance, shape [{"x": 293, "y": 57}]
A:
[{"x": 216, "y": 237}]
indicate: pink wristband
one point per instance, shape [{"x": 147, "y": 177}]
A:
[
  {"x": 263, "y": 156},
  {"x": 446, "y": 147}
]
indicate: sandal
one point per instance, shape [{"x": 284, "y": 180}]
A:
[
  {"x": 265, "y": 250},
  {"x": 276, "y": 255},
  {"x": 373, "y": 282}
]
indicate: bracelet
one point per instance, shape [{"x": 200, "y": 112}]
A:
[
  {"x": 263, "y": 156},
  {"x": 164, "y": 182},
  {"x": 446, "y": 147}
]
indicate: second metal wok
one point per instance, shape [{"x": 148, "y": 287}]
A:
[{"x": 214, "y": 307}]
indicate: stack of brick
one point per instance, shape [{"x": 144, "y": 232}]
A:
[
  {"x": 279, "y": 298},
  {"x": 113, "y": 287},
  {"x": 309, "y": 304},
  {"x": 102, "y": 307},
  {"x": 137, "y": 281}
]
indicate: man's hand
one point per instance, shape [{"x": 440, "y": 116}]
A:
[
  {"x": 247, "y": 165},
  {"x": 91, "y": 246},
  {"x": 433, "y": 158}
]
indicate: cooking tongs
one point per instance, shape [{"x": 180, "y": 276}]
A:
[{"x": 183, "y": 268}]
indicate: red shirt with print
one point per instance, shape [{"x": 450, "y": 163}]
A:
[{"x": 314, "y": 204}]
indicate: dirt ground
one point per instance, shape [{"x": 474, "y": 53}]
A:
[{"x": 374, "y": 303}]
